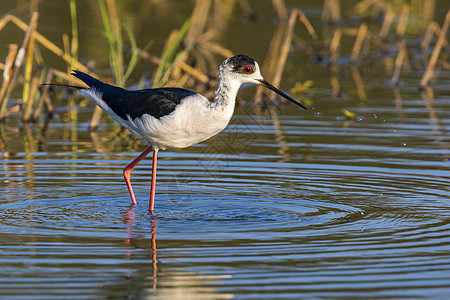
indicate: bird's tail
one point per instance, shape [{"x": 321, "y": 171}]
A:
[
  {"x": 89, "y": 80},
  {"x": 64, "y": 85}
]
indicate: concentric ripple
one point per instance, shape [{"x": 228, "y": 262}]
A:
[{"x": 76, "y": 216}]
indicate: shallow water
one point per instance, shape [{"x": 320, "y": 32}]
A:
[{"x": 284, "y": 203}]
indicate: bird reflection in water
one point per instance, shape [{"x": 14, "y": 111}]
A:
[{"x": 129, "y": 216}]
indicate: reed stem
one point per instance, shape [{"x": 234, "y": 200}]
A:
[{"x": 428, "y": 75}]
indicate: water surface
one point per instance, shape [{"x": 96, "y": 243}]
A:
[
  {"x": 279, "y": 205},
  {"x": 284, "y": 203}
]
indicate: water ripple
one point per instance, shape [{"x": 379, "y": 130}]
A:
[{"x": 311, "y": 207}]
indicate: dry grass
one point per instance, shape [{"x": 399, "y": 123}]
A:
[{"x": 192, "y": 51}]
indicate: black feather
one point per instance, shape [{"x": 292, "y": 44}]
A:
[
  {"x": 155, "y": 102},
  {"x": 63, "y": 85},
  {"x": 240, "y": 61}
]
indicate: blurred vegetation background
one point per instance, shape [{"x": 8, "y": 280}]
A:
[{"x": 181, "y": 43}]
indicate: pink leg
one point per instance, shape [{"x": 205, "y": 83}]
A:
[
  {"x": 153, "y": 188},
  {"x": 127, "y": 171}
]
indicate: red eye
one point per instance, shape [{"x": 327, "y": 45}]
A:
[{"x": 248, "y": 69}]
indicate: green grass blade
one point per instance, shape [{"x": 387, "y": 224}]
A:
[
  {"x": 169, "y": 55},
  {"x": 74, "y": 46},
  {"x": 110, "y": 37},
  {"x": 135, "y": 57}
]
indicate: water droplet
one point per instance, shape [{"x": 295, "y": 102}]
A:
[
  {"x": 404, "y": 144},
  {"x": 375, "y": 116}
]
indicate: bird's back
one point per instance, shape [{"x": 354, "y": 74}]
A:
[
  {"x": 162, "y": 117},
  {"x": 157, "y": 102}
]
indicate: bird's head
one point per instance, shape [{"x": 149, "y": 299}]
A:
[
  {"x": 244, "y": 69},
  {"x": 241, "y": 68}
]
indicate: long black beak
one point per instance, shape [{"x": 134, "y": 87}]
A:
[{"x": 271, "y": 87}]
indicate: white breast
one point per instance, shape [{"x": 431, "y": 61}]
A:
[{"x": 194, "y": 120}]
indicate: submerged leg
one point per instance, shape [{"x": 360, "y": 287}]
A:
[
  {"x": 127, "y": 171},
  {"x": 153, "y": 188}
]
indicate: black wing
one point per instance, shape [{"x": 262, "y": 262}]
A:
[{"x": 155, "y": 102}]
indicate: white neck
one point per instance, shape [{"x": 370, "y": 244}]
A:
[{"x": 227, "y": 90}]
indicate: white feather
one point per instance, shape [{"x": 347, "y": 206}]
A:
[{"x": 194, "y": 120}]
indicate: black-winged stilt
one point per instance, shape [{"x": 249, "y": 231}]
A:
[{"x": 174, "y": 117}]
